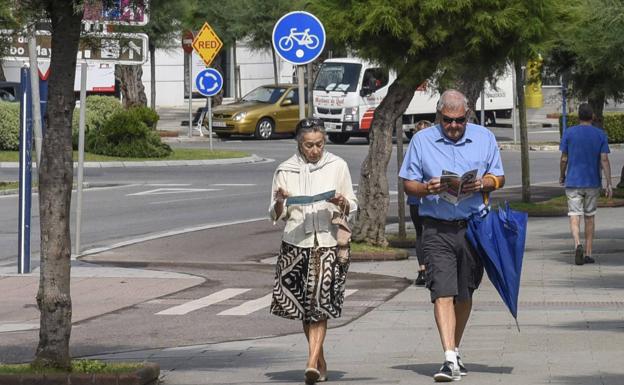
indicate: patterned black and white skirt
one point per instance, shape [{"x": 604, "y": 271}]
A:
[{"x": 309, "y": 283}]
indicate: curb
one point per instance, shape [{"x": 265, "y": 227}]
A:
[
  {"x": 394, "y": 255},
  {"x": 158, "y": 163},
  {"x": 548, "y": 147},
  {"x": 146, "y": 375}
]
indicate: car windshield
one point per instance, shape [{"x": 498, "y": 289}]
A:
[
  {"x": 264, "y": 95},
  {"x": 338, "y": 77}
]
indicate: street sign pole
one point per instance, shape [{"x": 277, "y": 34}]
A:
[
  {"x": 25, "y": 176},
  {"x": 34, "y": 89},
  {"x": 209, "y": 112},
  {"x": 81, "y": 144},
  {"x": 190, "y": 96},
  {"x": 301, "y": 86},
  {"x": 209, "y": 82}
]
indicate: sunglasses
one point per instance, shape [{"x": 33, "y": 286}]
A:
[{"x": 449, "y": 120}]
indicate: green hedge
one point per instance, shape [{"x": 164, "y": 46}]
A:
[
  {"x": 126, "y": 135},
  {"x": 99, "y": 110},
  {"x": 613, "y": 125},
  {"x": 9, "y": 126},
  {"x": 147, "y": 115}
]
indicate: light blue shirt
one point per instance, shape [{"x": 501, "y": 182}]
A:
[{"x": 430, "y": 152}]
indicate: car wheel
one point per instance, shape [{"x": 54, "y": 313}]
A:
[
  {"x": 338, "y": 138},
  {"x": 265, "y": 129},
  {"x": 223, "y": 136}
]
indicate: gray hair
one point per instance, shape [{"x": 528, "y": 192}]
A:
[
  {"x": 306, "y": 126},
  {"x": 452, "y": 100}
]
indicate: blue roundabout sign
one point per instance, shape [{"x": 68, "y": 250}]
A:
[{"x": 209, "y": 82}]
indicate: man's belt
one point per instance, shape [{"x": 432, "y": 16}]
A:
[{"x": 460, "y": 223}]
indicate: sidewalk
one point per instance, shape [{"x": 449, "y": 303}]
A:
[{"x": 570, "y": 317}]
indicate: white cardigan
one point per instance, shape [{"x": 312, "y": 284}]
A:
[{"x": 297, "y": 177}]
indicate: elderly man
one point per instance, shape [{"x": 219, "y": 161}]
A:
[{"x": 453, "y": 268}]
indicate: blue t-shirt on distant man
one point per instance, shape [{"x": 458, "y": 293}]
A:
[{"x": 583, "y": 144}]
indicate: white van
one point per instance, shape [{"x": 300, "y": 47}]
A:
[{"x": 347, "y": 91}]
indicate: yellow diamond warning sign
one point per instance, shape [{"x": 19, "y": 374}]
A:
[{"x": 207, "y": 44}]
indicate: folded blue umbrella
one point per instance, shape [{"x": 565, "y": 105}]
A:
[{"x": 499, "y": 239}]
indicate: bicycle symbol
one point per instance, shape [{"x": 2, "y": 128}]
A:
[{"x": 303, "y": 39}]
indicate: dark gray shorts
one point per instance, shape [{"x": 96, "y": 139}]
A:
[{"x": 453, "y": 268}]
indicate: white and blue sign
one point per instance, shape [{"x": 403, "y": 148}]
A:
[
  {"x": 209, "y": 82},
  {"x": 299, "y": 37}
]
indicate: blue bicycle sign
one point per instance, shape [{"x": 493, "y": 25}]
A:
[
  {"x": 299, "y": 37},
  {"x": 286, "y": 43}
]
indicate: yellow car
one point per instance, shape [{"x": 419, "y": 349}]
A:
[{"x": 267, "y": 110}]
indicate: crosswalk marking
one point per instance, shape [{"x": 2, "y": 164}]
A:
[
  {"x": 249, "y": 307},
  {"x": 245, "y": 308},
  {"x": 211, "y": 299}
]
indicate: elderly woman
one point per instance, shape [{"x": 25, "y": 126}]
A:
[{"x": 310, "y": 279}]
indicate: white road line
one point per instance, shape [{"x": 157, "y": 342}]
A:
[
  {"x": 167, "y": 184},
  {"x": 163, "y": 191},
  {"x": 233, "y": 184},
  {"x": 211, "y": 299},
  {"x": 17, "y": 327},
  {"x": 205, "y": 197},
  {"x": 249, "y": 307},
  {"x": 150, "y": 237},
  {"x": 348, "y": 292}
]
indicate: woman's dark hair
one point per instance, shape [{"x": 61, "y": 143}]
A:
[
  {"x": 585, "y": 112},
  {"x": 309, "y": 125}
]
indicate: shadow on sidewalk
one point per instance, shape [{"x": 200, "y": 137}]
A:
[
  {"x": 594, "y": 325},
  {"x": 430, "y": 369},
  {"x": 596, "y": 378}
]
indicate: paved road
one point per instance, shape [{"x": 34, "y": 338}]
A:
[{"x": 138, "y": 202}]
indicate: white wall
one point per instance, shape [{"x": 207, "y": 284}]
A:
[{"x": 256, "y": 68}]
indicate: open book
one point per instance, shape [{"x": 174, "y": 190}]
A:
[
  {"x": 455, "y": 184},
  {"x": 309, "y": 199}
]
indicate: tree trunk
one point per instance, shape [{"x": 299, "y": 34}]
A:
[
  {"x": 471, "y": 88},
  {"x": 152, "y": 50},
  {"x": 400, "y": 189},
  {"x": 597, "y": 102},
  {"x": 373, "y": 194},
  {"x": 310, "y": 86},
  {"x": 524, "y": 137},
  {"x": 55, "y": 186},
  {"x": 2, "y": 76},
  {"x": 132, "y": 88}
]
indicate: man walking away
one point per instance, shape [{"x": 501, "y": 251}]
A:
[
  {"x": 584, "y": 151},
  {"x": 453, "y": 269}
]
